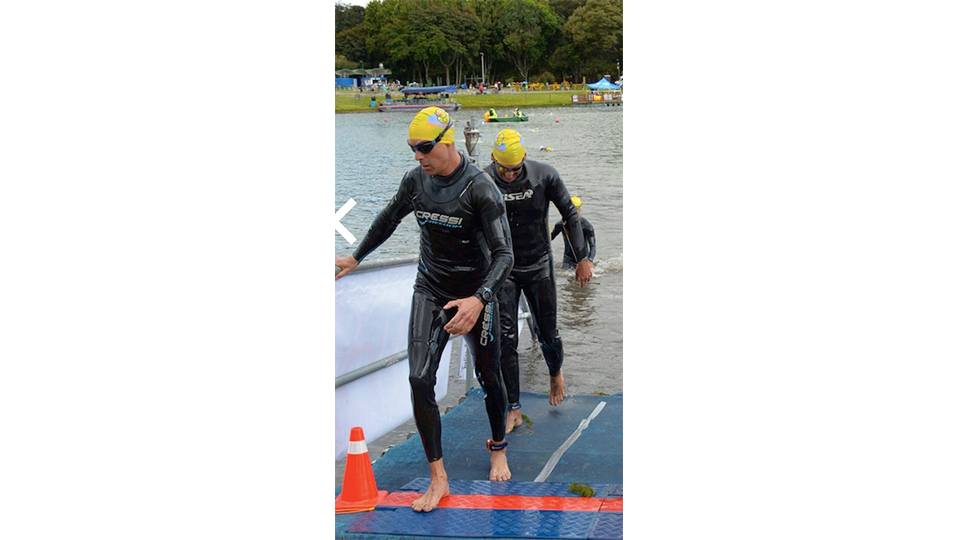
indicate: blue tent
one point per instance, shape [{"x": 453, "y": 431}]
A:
[{"x": 603, "y": 84}]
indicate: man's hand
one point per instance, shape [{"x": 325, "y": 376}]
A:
[
  {"x": 346, "y": 264},
  {"x": 584, "y": 271},
  {"x": 468, "y": 310}
]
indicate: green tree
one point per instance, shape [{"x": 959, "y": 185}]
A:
[
  {"x": 527, "y": 27},
  {"x": 389, "y": 35},
  {"x": 564, "y": 8},
  {"x": 352, "y": 43},
  {"x": 374, "y": 17},
  {"x": 562, "y": 58},
  {"x": 491, "y": 37},
  {"x": 463, "y": 41},
  {"x": 341, "y": 62},
  {"x": 595, "y": 32},
  {"x": 347, "y": 17},
  {"x": 421, "y": 39}
]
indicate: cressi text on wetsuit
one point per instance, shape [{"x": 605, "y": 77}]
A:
[
  {"x": 465, "y": 249},
  {"x": 589, "y": 238},
  {"x": 527, "y": 199}
]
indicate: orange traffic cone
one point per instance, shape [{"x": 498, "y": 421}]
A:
[{"x": 359, "y": 492}]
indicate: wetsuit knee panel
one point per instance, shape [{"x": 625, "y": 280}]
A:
[{"x": 421, "y": 382}]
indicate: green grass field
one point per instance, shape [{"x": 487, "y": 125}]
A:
[{"x": 505, "y": 101}]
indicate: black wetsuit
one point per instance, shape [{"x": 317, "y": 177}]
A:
[
  {"x": 589, "y": 238},
  {"x": 464, "y": 249},
  {"x": 528, "y": 200}
]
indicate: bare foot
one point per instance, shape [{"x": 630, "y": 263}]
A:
[
  {"x": 514, "y": 419},
  {"x": 499, "y": 471},
  {"x": 556, "y": 389},
  {"x": 439, "y": 488}
]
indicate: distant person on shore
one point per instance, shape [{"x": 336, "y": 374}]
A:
[
  {"x": 529, "y": 187},
  {"x": 589, "y": 238},
  {"x": 465, "y": 256}
]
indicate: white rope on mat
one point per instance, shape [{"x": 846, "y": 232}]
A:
[{"x": 552, "y": 462}]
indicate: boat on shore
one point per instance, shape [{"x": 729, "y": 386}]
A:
[{"x": 420, "y": 98}]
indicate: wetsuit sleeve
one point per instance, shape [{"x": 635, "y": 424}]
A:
[
  {"x": 386, "y": 221},
  {"x": 557, "y": 229},
  {"x": 558, "y": 194},
  {"x": 496, "y": 232},
  {"x": 590, "y": 237}
]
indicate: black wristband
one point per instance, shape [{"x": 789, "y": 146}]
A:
[{"x": 494, "y": 447}]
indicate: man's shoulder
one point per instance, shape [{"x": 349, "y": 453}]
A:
[
  {"x": 488, "y": 168},
  {"x": 482, "y": 182},
  {"x": 415, "y": 174},
  {"x": 541, "y": 167},
  {"x": 472, "y": 170}
]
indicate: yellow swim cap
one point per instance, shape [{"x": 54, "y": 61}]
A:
[
  {"x": 430, "y": 122},
  {"x": 508, "y": 148},
  {"x": 576, "y": 201}
]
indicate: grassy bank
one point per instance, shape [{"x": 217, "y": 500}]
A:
[{"x": 505, "y": 101}]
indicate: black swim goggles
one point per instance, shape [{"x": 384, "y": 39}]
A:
[
  {"x": 505, "y": 169},
  {"x": 426, "y": 147}
]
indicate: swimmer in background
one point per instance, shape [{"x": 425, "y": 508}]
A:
[
  {"x": 529, "y": 188},
  {"x": 589, "y": 237}
]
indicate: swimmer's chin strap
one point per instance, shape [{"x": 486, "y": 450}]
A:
[{"x": 494, "y": 447}]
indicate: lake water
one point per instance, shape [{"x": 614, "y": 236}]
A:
[{"x": 587, "y": 150}]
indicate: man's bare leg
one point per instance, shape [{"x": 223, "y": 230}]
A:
[
  {"x": 556, "y": 388},
  {"x": 514, "y": 419},
  {"x": 499, "y": 471},
  {"x": 439, "y": 488}
]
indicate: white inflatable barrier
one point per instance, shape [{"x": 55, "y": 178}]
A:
[{"x": 372, "y": 321}]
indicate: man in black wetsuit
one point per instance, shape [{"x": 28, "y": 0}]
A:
[
  {"x": 589, "y": 238},
  {"x": 528, "y": 189},
  {"x": 465, "y": 256}
]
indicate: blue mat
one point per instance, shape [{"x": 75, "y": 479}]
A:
[
  {"x": 595, "y": 458},
  {"x": 458, "y": 522}
]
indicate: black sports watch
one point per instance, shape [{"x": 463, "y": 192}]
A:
[{"x": 485, "y": 295}]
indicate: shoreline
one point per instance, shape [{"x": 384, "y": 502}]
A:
[{"x": 351, "y": 101}]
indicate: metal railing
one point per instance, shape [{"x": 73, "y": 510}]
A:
[
  {"x": 383, "y": 363},
  {"x": 383, "y": 263}
]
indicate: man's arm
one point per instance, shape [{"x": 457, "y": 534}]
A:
[
  {"x": 382, "y": 227},
  {"x": 590, "y": 237},
  {"x": 488, "y": 203},
  {"x": 557, "y": 229},
  {"x": 496, "y": 232},
  {"x": 558, "y": 194}
]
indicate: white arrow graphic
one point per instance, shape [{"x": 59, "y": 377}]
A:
[{"x": 339, "y": 226}]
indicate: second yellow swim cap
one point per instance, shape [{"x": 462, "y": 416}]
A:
[
  {"x": 430, "y": 122},
  {"x": 508, "y": 148}
]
